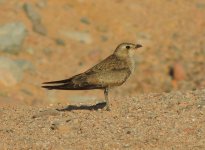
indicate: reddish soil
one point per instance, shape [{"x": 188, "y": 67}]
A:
[{"x": 172, "y": 60}]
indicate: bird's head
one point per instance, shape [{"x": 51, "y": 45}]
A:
[{"x": 126, "y": 49}]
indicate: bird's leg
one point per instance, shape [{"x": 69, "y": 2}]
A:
[{"x": 106, "y": 98}]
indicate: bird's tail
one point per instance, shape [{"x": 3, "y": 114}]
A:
[
  {"x": 57, "y": 82},
  {"x": 56, "y": 87},
  {"x": 59, "y": 85},
  {"x": 69, "y": 84}
]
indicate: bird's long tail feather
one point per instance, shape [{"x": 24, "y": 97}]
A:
[
  {"x": 66, "y": 84},
  {"x": 57, "y": 87},
  {"x": 56, "y": 82},
  {"x": 69, "y": 85}
]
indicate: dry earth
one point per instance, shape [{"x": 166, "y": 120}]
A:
[
  {"x": 74, "y": 35},
  {"x": 155, "y": 121}
]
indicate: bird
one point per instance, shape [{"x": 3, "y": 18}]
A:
[{"x": 111, "y": 72}]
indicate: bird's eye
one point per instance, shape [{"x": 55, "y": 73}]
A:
[{"x": 127, "y": 47}]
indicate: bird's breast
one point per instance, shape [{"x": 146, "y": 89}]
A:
[{"x": 131, "y": 63}]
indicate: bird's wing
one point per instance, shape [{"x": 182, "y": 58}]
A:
[
  {"x": 110, "y": 72},
  {"x": 77, "y": 82},
  {"x": 109, "y": 78},
  {"x": 110, "y": 63}
]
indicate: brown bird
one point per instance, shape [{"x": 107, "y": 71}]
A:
[{"x": 112, "y": 71}]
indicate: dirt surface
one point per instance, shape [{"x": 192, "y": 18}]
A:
[
  {"x": 64, "y": 38},
  {"x": 155, "y": 121},
  {"x": 82, "y": 33}
]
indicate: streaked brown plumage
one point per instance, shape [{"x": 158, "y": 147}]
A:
[{"x": 112, "y": 71}]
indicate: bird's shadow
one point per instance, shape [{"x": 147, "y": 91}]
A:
[{"x": 84, "y": 107}]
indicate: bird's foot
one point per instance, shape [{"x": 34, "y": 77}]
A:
[{"x": 107, "y": 108}]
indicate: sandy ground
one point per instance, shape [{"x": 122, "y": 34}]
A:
[
  {"x": 155, "y": 121},
  {"x": 171, "y": 32}
]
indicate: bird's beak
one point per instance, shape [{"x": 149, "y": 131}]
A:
[{"x": 138, "y": 46}]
